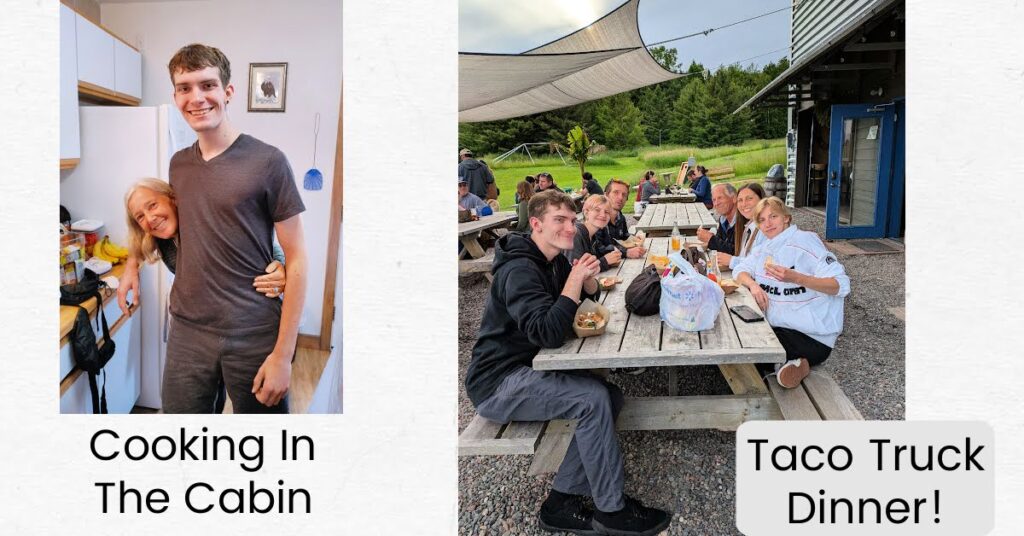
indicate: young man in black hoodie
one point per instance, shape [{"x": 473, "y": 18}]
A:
[{"x": 532, "y": 305}]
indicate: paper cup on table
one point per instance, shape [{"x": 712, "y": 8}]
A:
[{"x": 590, "y": 306}]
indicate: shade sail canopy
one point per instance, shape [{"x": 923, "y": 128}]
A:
[{"x": 603, "y": 59}]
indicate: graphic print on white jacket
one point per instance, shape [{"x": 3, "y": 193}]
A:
[{"x": 793, "y": 306}]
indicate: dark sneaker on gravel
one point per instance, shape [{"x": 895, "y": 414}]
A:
[
  {"x": 562, "y": 512},
  {"x": 634, "y": 519}
]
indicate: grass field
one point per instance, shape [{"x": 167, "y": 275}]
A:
[{"x": 750, "y": 160}]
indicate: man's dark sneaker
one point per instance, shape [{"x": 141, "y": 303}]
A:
[
  {"x": 562, "y": 512},
  {"x": 634, "y": 519}
]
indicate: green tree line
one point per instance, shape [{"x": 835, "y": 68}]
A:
[{"x": 692, "y": 110}]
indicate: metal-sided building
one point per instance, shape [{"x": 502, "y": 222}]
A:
[{"x": 845, "y": 93}]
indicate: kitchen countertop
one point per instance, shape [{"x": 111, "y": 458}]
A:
[{"x": 68, "y": 313}]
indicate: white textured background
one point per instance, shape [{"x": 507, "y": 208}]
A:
[
  {"x": 965, "y": 175},
  {"x": 387, "y": 466}
]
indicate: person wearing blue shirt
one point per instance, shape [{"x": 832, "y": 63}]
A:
[
  {"x": 467, "y": 199},
  {"x": 702, "y": 188}
]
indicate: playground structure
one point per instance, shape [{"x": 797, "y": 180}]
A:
[{"x": 525, "y": 148}]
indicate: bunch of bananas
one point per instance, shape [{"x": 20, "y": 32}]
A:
[{"x": 105, "y": 250}]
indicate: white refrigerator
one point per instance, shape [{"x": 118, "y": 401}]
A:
[{"x": 119, "y": 146}]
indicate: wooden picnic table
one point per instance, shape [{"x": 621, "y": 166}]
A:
[
  {"x": 688, "y": 197},
  {"x": 645, "y": 341},
  {"x": 658, "y": 220},
  {"x": 470, "y": 231}
]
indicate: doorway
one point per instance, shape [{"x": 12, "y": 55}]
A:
[{"x": 860, "y": 174}]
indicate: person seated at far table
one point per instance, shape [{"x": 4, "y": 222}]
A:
[
  {"x": 639, "y": 187},
  {"x": 529, "y": 180},
  {"x": 690, "y": 178},
  {"x": 546, "y": 182},
  {"x": 702, "y": 186},
  {"x": 746, "y": 233},
  {"x": 800, "y": 286},
  {"x": 596, "y": 214},
  {"x": 591, "y": 185},
  {"x": 649, "y": 188},
  {"x": 524, "y": 191},
  {"x": 468, "y": 200},
  {"x": 724, "y": 239},
  {"x": 532, "y": 305},
  {"x": 617, "y": 191}
]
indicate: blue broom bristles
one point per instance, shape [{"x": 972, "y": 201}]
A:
[{"x": 314, "y": 180}]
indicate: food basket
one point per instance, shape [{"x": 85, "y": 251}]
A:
[
  {"x": 659, "y": 261},
  {"x": 590, "y": 308},
  {"x": 631, "y": 242},
  {"x": 729, "y": 285}
]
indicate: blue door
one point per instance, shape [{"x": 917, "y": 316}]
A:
[{"x": 860, "y": 163}]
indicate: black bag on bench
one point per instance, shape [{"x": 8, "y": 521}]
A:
[{"x": 82, "y": 339}]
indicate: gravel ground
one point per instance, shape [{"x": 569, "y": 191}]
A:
[{"x": 691, "y": 472}]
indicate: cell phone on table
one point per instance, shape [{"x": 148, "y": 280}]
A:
[{"x": 746, "y": 314}]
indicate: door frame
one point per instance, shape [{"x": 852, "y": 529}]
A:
[
  {"x": 895, "y": 224},
  {"x": 322, "y": 341}
]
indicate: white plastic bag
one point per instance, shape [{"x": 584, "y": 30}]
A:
[{"x": 689, "y": 301}]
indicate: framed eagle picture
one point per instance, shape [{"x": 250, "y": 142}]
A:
[{"x": 267, "y": 85}]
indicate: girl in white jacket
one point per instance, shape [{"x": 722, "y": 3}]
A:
[{"x": 800, "y": 286}]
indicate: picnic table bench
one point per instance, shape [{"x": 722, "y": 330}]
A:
[
  {"x": 721, "y": 173},
  {"x": 644, "y": 341},
  {"x": 658, "y": 220},
  {"x": 470, "y": 232},
  {"x": 474, "y": 258}
]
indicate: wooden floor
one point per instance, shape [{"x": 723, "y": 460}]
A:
[{"x": 306, "y": 370}]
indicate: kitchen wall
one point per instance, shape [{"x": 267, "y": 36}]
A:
[{"x": 306, "y": 35}]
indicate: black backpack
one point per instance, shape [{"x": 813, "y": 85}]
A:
[
  {"x": 82, "y": 339},
  {"x": 643, "y": 295}
]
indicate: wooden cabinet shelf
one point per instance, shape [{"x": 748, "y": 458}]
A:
[{"x": 101, "y": 95}]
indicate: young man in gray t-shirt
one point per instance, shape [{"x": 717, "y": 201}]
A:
[{"x": 233, "y": 193}]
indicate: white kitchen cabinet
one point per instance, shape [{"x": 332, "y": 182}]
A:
[
  {"x": 70, "y": 149},
  {"x": 95, "y": 53},
  {"x": 127, "y": 70},
  {"x": 122, "y": 375}
]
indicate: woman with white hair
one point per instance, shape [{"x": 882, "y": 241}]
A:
[{"x": 152, "y": 213}]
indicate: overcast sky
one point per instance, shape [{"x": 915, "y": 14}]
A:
[{"x": 514, "y": 26}]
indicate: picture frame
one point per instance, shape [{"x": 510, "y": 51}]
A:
[{"x": 268, "y": 84}]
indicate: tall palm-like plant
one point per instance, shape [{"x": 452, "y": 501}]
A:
[{"x": 579, "y": 147}]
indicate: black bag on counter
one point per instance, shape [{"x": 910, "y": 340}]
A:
[
  {"x": 82, "y": 338},
  {"x": 643, "y": 295}
]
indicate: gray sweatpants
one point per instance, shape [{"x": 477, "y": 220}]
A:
[
  {"x": 197, "y": 360},
  {"x": 593, "y": 463}
]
